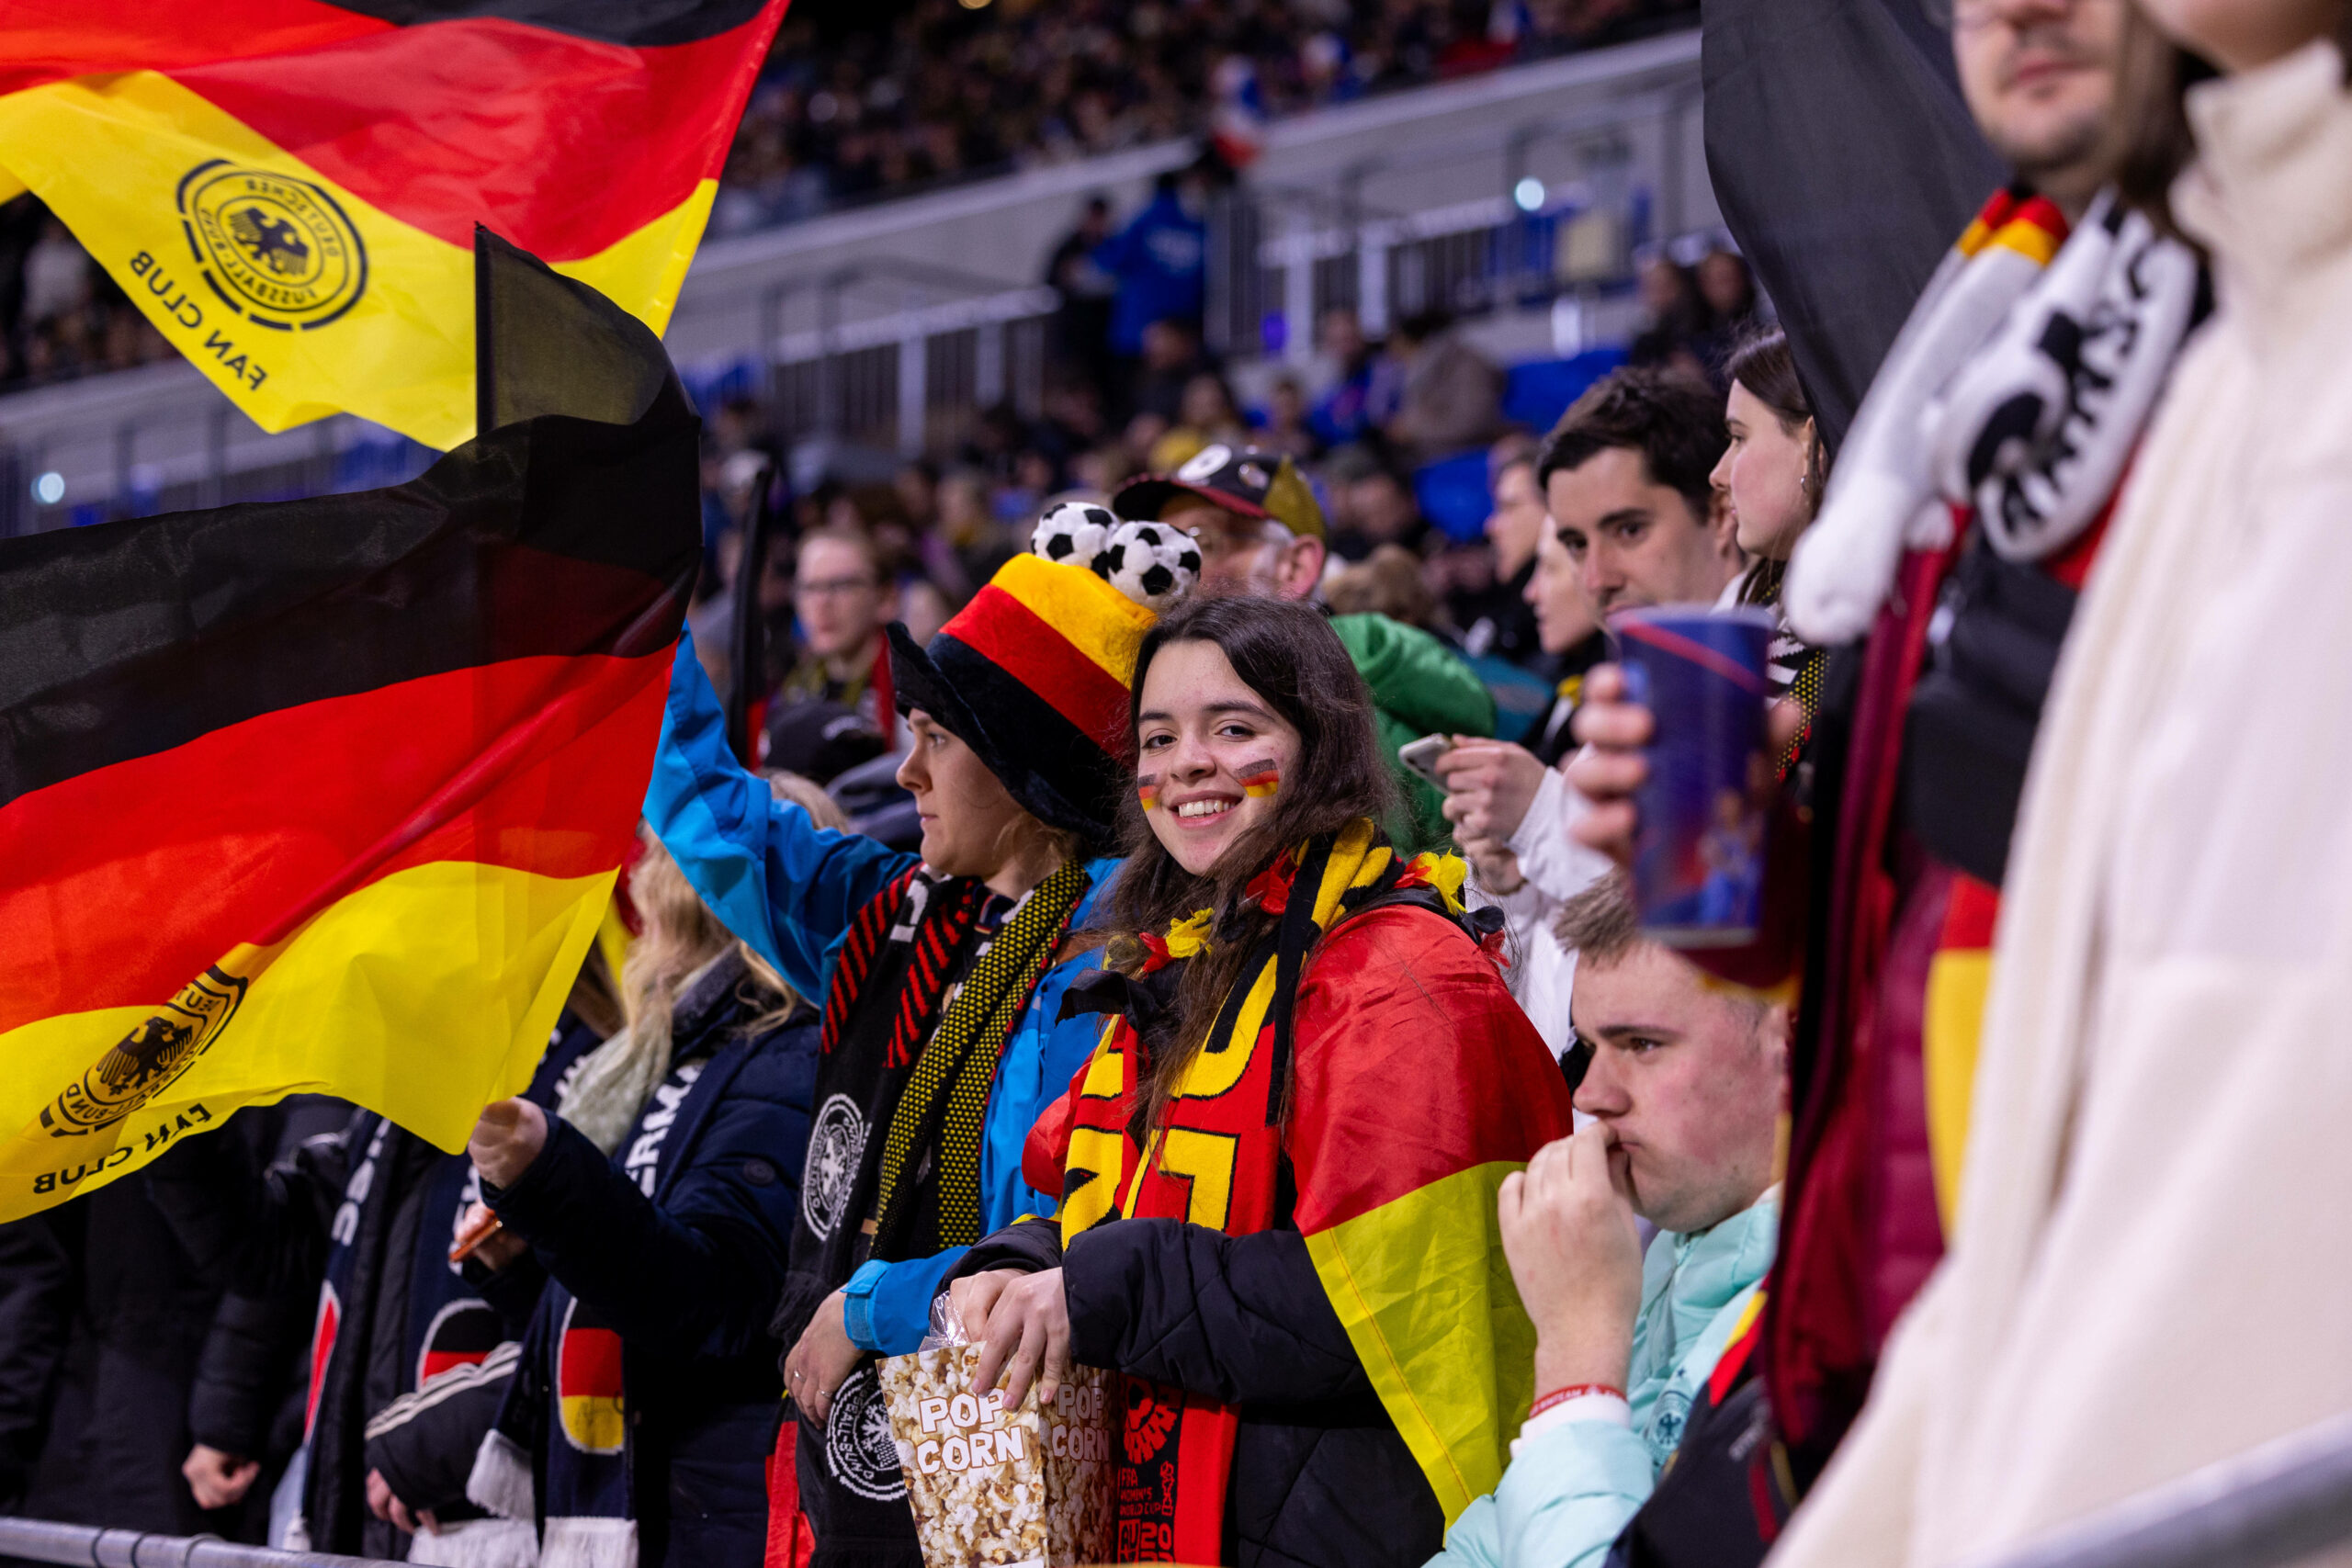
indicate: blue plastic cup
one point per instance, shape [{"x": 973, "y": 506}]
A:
[{"x": 1699, "y": 837}]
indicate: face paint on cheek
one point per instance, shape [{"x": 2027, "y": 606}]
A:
[
  {"x": 1147, "y": 791},
  {"x": 1260, "y": 779}
]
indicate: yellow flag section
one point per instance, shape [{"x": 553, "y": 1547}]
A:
[
  {"x": 424, "y": 996},
  {"x": 1426, "y": 1299},
  {"x": 374, "y": 318}
]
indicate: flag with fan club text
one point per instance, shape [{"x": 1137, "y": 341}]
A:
[
  {"x": 288, "y": 188},
  {"x": 330, "y": 795}
]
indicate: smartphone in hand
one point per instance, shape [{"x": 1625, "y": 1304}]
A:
[{"x": 1420, "y": 756}]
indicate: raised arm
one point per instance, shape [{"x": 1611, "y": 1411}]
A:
[{"x": 780, "y": 883}]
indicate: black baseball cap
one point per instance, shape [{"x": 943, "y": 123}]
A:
[{"x": 1244, "y": 479}]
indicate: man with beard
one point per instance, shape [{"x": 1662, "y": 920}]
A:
[{"x": 1929, "y": 721}]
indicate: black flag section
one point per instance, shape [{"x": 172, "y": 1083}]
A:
[{"x": 1846, "y": 165}]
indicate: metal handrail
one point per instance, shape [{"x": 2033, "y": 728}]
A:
[
  {"x": 2267, "y": 1507},
  {"x": 88, "y": 1546}
]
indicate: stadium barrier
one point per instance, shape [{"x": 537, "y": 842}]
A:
[{"x": 86, "y": 1546}]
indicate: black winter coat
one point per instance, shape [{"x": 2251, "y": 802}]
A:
[
  {"x": 104, "y": 1305},
  {"x": 1321, "y": 1476},
  {"x": 689, "y": 1276}
]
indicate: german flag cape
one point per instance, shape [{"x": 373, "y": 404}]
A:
[
  {"x": 1401, "y": 1110},
  {"x": 330, "y": 795},
  {"x": 288, "y": 188}
]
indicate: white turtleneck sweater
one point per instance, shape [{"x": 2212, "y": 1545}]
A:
[{"x": 2152, "y": 1259}]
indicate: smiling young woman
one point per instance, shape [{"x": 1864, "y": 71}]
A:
[{"x": 1289, "y": 1143}]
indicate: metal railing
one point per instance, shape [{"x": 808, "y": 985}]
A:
[
  {"x": 87, "y": 1546},
  {"x": 1576, "y": 196},
  {"x": 2271, "y": 1505}
]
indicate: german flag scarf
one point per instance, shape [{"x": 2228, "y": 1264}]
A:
[{"x": 1407, "y": 1254}]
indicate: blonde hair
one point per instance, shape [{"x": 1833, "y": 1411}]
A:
[
  {"x": 681, "y": 934},
  {"x": 679, "y": 939}
]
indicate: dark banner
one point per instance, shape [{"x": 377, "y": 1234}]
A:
[{"x": 1846, "y": 165}]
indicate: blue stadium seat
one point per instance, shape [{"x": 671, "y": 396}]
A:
[{"x": 1537, "y": 393}]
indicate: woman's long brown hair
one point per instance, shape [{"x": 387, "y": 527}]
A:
[{"x": 1287, "y": 654}]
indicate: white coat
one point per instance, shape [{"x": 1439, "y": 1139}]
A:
[{"x": 2152, "y": 1267}]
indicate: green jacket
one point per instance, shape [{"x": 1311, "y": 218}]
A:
[{"x": 1420, "y": 687}]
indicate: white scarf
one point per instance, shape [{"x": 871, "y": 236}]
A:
[{"x": 2016, "y": 388}]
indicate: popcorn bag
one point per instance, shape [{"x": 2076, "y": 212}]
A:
[{"x": 1025, "y": 1488}]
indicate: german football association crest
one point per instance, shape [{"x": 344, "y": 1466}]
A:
[
  {"x": 150, "y": 1059},
  {"x": 279, "y": 251},
  {"x": 859, "y": 1449}
]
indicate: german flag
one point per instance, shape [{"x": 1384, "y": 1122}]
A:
[
  {"x": 288, "y": 188},
  {"x": 330, "y": 795}
]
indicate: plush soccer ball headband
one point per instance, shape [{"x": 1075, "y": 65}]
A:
[{"x": 1155, "y": 564}]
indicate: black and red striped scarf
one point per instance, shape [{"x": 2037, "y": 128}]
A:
[{"x": 927, "y": 984}]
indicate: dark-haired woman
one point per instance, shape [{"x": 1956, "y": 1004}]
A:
[
  {"x": 1771, "y": 475},
  {"x": 1278, "y": 1172}
]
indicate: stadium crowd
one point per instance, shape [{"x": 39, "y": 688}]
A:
[
  {"x": 846, "y": 111},
  {"x": 1159, "y": 715}
]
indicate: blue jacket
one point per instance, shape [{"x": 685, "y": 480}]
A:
[
  {"x": 1160, "y": 259},
  {"x": 791, "y": 889},
  {"x": 1571, "y": 1490}
]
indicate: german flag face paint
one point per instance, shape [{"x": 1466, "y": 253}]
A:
[
  {"x": 1260, "y": 779},
  {"x": 1147, "y": 791}
]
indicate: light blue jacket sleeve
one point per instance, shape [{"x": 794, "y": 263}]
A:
[
  {"x": 1570, "y": 1492},
  {"x": 777, "y": 880},
  {"x": 898, "y": 1313},
  {"x": 1565, "y": 1498}
]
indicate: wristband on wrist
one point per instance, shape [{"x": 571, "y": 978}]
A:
[{"x": 1559, "y": 1397}]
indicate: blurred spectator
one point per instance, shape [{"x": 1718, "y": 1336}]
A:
[
  {"x": 1449, "y": 396},
  {"x": 842, "y": 600},
  {"x": 1343, "y": 413},
  {"x": 1082, "y": 324},
  {"x": 658, "y": 1198},
  {"x": 1500, "y": 618},
  {"x": 1387, "y": 582},
  {"x": 1677, "y": 333},
  {"x": 1160, "y": 262},
  {"x": 1206, "y": 414},
  {"x": 57, "y": 277},
  {"x": 1381, "y": 509},
  {"x": 1735, "y": 314},
  {"x": 1170, "y": 358},
  {"x": 1287, "y": 429},
  {"x": 1568, "y": 629},
  {"x": 103, "y": 1306}
]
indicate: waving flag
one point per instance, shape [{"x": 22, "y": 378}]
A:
[
  {"x": 330, "y": 795},
  {"x": 288, "y": 188}
]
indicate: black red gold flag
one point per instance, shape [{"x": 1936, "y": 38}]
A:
[
  {"x": 288, "y": 188},
  {"x": 330, "y": 795}
]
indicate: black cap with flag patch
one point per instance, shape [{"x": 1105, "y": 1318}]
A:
[{"x": 1244, "y": 479}]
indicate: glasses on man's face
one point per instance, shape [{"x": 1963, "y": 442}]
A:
[
  {"x": 832, "y": 587},
  {"x": 1221, "y": 539}
]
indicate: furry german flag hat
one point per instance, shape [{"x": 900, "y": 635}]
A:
[{"x": 1034, "y": 673}]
